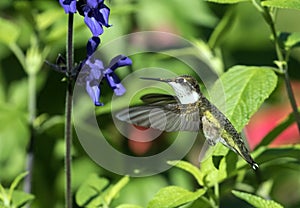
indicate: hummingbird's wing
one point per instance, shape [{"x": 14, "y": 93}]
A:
[
  {"x": 159, "y": 99},
  {"x": 162, "y": 112}
]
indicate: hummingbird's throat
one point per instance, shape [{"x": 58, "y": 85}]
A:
[{"x": 184, "y": 93}]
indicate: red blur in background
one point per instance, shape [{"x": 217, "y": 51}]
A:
[{"x": 268, "y": 117}]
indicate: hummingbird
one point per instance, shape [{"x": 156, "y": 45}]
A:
[{"x": 187, "y": 110}]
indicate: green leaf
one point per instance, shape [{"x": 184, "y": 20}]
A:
[
  {"x": 245, "y": 89},
  {"x": 95, "y": 191},
  {"x": 47, "y": 18},
  {"x": 20, "y": 198},
  {"x": 256, "y": 201},
  {"x": 129, "y": 206},
  {"x": 219, "y": 165},
  {"x": 10, "y": 32},
  {"x": 270, "y": 154},
  {"x": 285, "y": 4},
  {"x": 189, "y": 168},
  {"x": 15, "y": 183},
  {"x": 227, "y": 1},
  {"x": 90, "y": 190},
  {"x": 3, "y": 195},
  {"x": 45, "y": 123},
  {"x": 174, "y": 196},
  {"x": 115, "y": 189},
  {"x": 18, "y": 93},
  {"x": 293, "y": 40},
  {"x": 139, "y": 191}
]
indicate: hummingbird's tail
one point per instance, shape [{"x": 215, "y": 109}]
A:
[
  {"x": 246, "y": 155},
  {"x": 254, "y": 165}
]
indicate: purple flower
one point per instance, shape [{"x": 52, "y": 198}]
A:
[
  {"x": 95, "y": 14},
  {"x": 68, "y": 5},
  {"x": 92, "y": 45},
  {"x": 93, "y": 73}
]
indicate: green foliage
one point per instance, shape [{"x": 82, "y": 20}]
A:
[
  {"x": 196, "y": 173},
  {"x": 256, "y": 201},
  {"x": 227, "y": 1},
  {"x": 96, "y": 191},
  {"x": 286, "y": 4},
  {"x": 139, "y": 191},
  {"x": 241, "y": 37},
  {"x": 11, "y": 33},
  {"x": 245, "y": 88},
  {"x": 128, "y": 206},
  {"x": 12, "y": 198},
  {"x": 11, "y": 119},
  {"x": 174, "y": 196},
  {"x": 293, "y": 40}
]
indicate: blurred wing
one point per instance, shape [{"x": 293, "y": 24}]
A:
[
  {"x": 168, "y": 117},
  {"x": 159, "y": 99}
]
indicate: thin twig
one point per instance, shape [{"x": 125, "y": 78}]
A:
[
  {"x": 282, "y": 60},
  {"x": 68, "y": 121},
  {"x": 284, "y": 68}
]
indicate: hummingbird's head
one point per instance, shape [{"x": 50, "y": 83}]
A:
[{"x": 186, "y": 88}]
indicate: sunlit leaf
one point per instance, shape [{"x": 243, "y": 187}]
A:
[
  {"x": 114, "y": 190},
  {"x": 189, "y": 168},
  {"x": 129, "y": 206},
  {"x": 139, "y": 191},
  {"x": 227, "y": 1},
  {"x": 20, "y": 198},
  {"x": 245, "y": 89},
  {"x": 256, "y": 201},
  {"x": 96, "y": 192},
  {"x": 293, "y": 40},
  {"x": 16, "y": 182},
  {"x": 269, "y": 154},
  {"x": 10, "y": 31},
  {"x": 90, "y": 190},
  {"x": 221, "y": 164},
  {"x": 174, "y": 196},
  {"x": 48, "y": 18},
  {"x": 286, "y": 4}
]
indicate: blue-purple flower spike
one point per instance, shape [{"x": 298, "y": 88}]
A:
[
  {"x": 92, "y": 45},
  {"x": 93, "y": 72},
  {"x": 111, "y": 78},
  {"x": 96, "y": 15},
  {"x": 68, "y": 5}
]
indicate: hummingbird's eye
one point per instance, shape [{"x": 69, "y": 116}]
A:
[{"x": 180, "y": 80}]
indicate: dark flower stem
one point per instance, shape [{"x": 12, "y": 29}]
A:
[
  {"x": 68, "y": 114},
  {"x": 284, "y": 68},
  {"x": 282, "y": 59}
]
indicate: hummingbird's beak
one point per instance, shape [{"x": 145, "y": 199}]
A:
[{"x": 157, "y": 79}]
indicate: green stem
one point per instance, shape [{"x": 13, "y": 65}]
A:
[
  {"x": 32, "y": 115},
  {"x": 292, "y": 98},
  {"x": 217, "y": 195},
  {"x": 68, "y": 118},
  {"x": 219, "y": 33},
  {"x": 18, "y": 53}
]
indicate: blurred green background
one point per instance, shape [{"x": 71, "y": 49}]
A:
[{"x": 246, "y": 41}]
